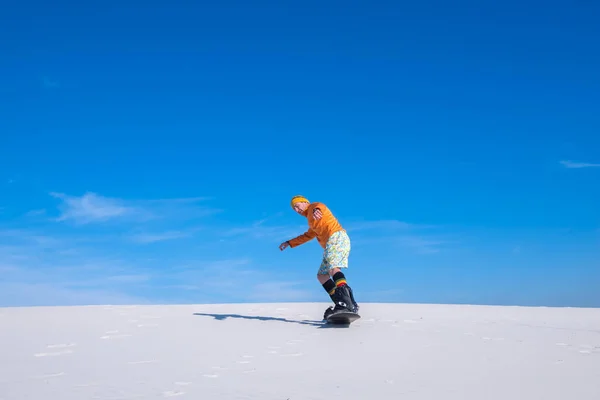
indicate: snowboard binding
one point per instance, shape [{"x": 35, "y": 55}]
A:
[{"x": 344, "y": 302}]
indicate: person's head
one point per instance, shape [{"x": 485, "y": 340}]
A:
[{"x": 300, "y": 204}]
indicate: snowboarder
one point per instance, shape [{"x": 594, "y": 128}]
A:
[{"x": 334, "y": 239}]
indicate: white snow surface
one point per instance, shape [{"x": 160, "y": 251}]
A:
[{"x": 285, "y": 352}]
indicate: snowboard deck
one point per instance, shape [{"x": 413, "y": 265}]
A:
[{"x": 342, "y": 318}]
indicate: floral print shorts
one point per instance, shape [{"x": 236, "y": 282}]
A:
[{"x": 336, "y": 252}]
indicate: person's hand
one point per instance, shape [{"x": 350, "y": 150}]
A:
[
  {"x": 317, "y": 213},
  {"x": 283, "y": 245}
]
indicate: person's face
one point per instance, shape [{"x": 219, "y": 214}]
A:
[{"x": 300, "y": 207}]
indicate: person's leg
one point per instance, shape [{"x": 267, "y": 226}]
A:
[
  {"x": 323, "y": 275},
  {"x": 324, "y": 278},
  {"x": 338, "y": 277},
  {"x": 335, "y": 259}
]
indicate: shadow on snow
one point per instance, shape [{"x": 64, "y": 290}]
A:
[{"x": 320, "y": 324}]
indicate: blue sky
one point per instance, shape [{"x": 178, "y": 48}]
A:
[{"x": 149, "y": 153}]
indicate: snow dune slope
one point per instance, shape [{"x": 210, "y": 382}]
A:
[{"x": 284, "y": 351}]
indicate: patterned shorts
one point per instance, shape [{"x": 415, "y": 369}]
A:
[{"x": 336, "y": 253}]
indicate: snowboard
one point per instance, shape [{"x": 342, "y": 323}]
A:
[{"x": 342, "y": 318}]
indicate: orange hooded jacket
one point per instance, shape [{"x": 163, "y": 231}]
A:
[{"x": 322, "y": 228}]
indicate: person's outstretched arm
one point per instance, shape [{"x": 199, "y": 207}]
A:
[{"x": 298, "y": 240}]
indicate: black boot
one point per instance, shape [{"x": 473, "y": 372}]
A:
[
  {"x": 356, "y": 307},
  {"x": 329, "y": 309},
  {"x": 344, "y": 300},
  {"x": 328, "y": 312}
]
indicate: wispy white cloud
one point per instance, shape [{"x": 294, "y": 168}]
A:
[
  {"x": 96, "y": 249},
  {"x": 417, "y": 237},
  {"x": 211, "y": 271},
  {"x": 36, "y": 213},
  {"x": 383, "y": 295},
  {"x": 416, "y": 243},
  {"x": 129, "y": 278},
  {"x": 231, "y": 278},
  {"x": 420, "y": 244},
  {"x": 238, "y": 279},
  {"x": 574, "y": 164},
  {"x": 393, "y": 232},
  {"x": 27, "y": 240},
  {"x": 280, "y": 291},
  {"x": 145, "y": 238},
  {"x": 42, "y": 294},
  {"x": 45, "y": 271},
  {"x": 261, "y": 231},
  {"x": 91, "y": 208},
  {"x": 176, "y": 208},
  {"x": 92, "y": 256},
  {"x": 7, "y": 268},
  {"x": 94, "y": 208},
  {"x": 86, "y": 259}
]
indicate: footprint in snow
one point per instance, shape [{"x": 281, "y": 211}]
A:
[
  {"x": 172, "y": 393},
  {"x": 83, "y": 385},
  {"x": 114, "y": 334},
  {"x": 60, "y": 346},
  {"x": 142, "y": 362},
  {"x": 47, "y": 376},
  {"x": 246, "y": 361},
  {"x": 292, "y": 355},
  {"x": 53, "y": 354}
]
